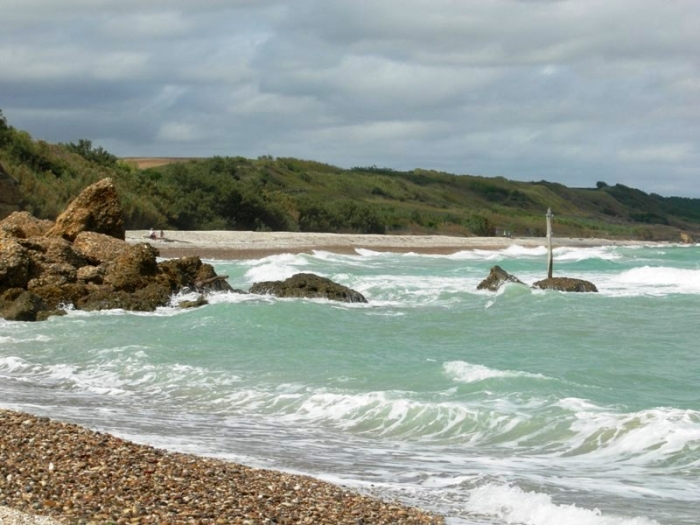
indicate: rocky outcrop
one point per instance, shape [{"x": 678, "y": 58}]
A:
[
  {"x": 9, "y": 194},
  {"x": 686, "y": 238},
  {"x": 497, "y": 277},
  {"x": 565, "y": 284},
  {"x": 44, "y": 267},
  {"x": 308, "y": 285},
  {"x": 97, "y": 209}
]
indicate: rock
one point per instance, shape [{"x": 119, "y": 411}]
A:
[
  {"x": 21, "y": 305},
  {"x": 497, "y": 277},
  {"x": 686, "y": 238},
  {"x": 10, "y": 196},
  {"x": 22, "y": 225},
  {"x": 565, "y": 284},
  {"x": 91, "y": 274},
  {"x": 133, "y": 269},
  {"x": 98, "y": 248},
  {"x": 200, "y": 301},
  {"x": 311, "y": 286},
  {"x": 14, "y": 264},
  {"x": 96, "y": 209}
]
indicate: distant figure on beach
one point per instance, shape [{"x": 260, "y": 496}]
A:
[
  {"x": 152, "y": 234},
  {"x": 162, "y": 235}
]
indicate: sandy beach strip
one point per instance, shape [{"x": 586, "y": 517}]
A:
[
  {"x": 231, "y": 245},
  {"x": 76, "y": 475}
]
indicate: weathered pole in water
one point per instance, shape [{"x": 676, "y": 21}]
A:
[{"x": 549, "y": 242}]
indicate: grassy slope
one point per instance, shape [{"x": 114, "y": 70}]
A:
[{"x": 287, "y": 193}]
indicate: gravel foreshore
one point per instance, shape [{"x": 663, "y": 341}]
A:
[
  {"x": 76, "y": 475},
  {"x": 235, "y": 244}
]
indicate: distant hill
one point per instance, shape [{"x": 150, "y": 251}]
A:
[
  {"x": 303, "y": 195},
  {"x": 144, "y": 163}
]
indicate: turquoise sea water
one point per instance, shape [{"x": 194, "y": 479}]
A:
[{"x": 520, "y": 407}]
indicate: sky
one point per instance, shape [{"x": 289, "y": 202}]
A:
[{"x": 568, "y": 91}]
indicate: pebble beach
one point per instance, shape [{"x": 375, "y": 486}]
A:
[{"x": 71, "y": 474}]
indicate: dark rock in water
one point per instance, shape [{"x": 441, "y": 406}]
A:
[
  {"x": 43, "y": 268},
  {"x": 200, "y": 301},
  {"x": 21, "y": 305},
  {"x": 97, "y": 209},
  {"x": 308, "y": 285},
  {"x": 565, "y": 284},
  {"x": 497, "y": 277}
]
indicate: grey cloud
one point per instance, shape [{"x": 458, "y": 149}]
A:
[{"x": 572, "y": 92}]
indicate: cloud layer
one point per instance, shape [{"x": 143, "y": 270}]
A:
[{"x": 570, "y": 91}]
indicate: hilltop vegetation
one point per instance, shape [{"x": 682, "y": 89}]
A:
[{"x": 300, "y": 195}]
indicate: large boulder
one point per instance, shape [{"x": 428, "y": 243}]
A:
[
  {"x": 14, "y": 264},
  {"x": 308, "y": 285},
  {"x": 98, "y": 248},
  {"x": 565, "y": 284},
  {"x": 96, "y": 209},
  {"x": 133, "y": 269},
  {"x": 9, "y": 193},
  {"x": 22, "y": 224},
  {"x": 20, "y": 305},
  {"x": 497, "y": 277}
]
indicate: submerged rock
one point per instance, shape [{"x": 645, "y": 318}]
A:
[
  {"x": 565, "y": 284},
  {"x": 497, "y": 277},
  {"x": 311, "y": 286},
  {"x": 44, "y": 267}
]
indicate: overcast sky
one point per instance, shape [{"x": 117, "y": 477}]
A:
[{"x": 569, "y": 91}]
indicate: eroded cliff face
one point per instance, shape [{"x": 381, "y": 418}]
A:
[
  {"x": 83, "y": 260},
  {"x": 9, "y": 194}
]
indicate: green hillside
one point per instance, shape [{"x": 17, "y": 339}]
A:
[{"x": 301, "y": 195}]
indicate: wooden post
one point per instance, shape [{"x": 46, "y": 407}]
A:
[{"x": 549, "y": 243}]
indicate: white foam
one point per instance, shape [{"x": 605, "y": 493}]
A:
[
  {"x": 582, "y": 254},
  {"x": 671, "y": 279},
  {"x": 276, "y": 268},
  {"x": 13, "y": 364},
  {"x": 464, "y": 372},
  {"x": 513, "y": 505}
]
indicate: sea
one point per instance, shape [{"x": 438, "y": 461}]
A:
[{"x": 516, "y": 407}]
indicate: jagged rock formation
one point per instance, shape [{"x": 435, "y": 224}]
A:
[
  {"x": 565, "y": 284},
  {"x": 97, "y": 209},
  {"x": 84, "y": 261},
  {"x": 9, "y": 194},
  {"x": 497, "y": 277},
  {"x": 308, "y": 285}
]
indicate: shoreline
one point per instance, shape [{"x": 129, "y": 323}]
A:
[
  {"x": 76, "y": 475},
  {"x": 231, "y": 245}
]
